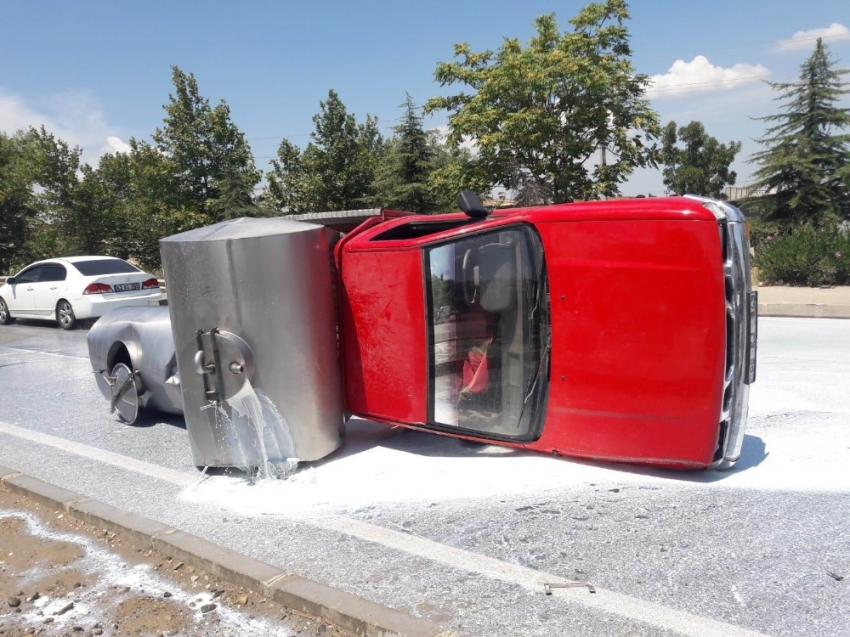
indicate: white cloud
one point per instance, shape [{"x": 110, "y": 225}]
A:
[
  {"x": 116, "y": 145},
  {"x": 805, "y": 39},
  {"x": 700, "y": 75},
  {"x": 74, "y": 116}
]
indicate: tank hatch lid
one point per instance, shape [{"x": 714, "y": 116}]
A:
[
  {"x": 243, "y": 228},
  {"x": 125, "y": 393}
]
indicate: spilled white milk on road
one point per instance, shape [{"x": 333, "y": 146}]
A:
[
  {"x": 378, "y": 465},
  {"x": 259, "y": 432}
]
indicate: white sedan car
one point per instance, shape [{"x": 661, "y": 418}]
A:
[{"x": 75, "y": 288}]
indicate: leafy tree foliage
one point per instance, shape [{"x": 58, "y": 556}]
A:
[
  {"x": 67, "y": 213},
  {"x": 214, "y": 168},
  {"x": 805, "y": 166},
  {"x": 199, "y": 170},
  {"x": 539, "y": 113},
  {"x": 337, "y": 169},
  {"x": 17, "y": 205},
  {"x": 702, "y": 166},
  {"x": 145, "y": 202},
  {"x": 454, "y": 168}
]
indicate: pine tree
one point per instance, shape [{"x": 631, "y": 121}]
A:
[
  {"x": 402, "y": 180},
  {"x": 805, "y": 166}
]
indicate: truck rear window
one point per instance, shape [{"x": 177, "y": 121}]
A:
[
  {"x": 97, "y": 267},
  {"x": 416, "y": 229}
]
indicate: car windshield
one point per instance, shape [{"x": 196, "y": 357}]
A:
[
  {"x": 97, "y": 267},
  {"x": 488, "y": 323}
]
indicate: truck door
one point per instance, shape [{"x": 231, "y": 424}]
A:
[{"x": 488, "y": 334}]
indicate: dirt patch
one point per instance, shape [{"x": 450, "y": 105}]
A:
[
  {"x": 149, "y": 615},
  {"x": 19, "y": 549},
  {"x": 60, "y": 583},
  {"x": 65, "y": 578}
]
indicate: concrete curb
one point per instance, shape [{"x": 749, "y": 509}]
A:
[
  {"x": 349, "y": 612},
  {"x": 804, "y": 310}
]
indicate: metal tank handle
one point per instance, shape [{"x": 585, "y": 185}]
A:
[
  {"x": 238, "y": 361},
  {"x": 199, "y": 363}
]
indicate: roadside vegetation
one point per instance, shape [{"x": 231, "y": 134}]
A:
[
  {"x": 562, "y": 117},
  {"x": 803, "y": 222}
]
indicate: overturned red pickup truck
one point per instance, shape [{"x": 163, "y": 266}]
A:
[{"x": 620, "y": 330}]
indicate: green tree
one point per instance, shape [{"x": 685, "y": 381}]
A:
[
  {"x": 402, "y": 180},
  {"x": 702, "y": 166},
  {"x": 539, "y": 113},
  {"x": 454, "y": 168},
  {"x": 77, "y": 205},
  {"x": 336, "y": 171},
  {"x": 18, "y": 209},
  {"x": 150, "y": 205},
  {"x": 61, "y": 205},
  {"x": 805, "y": 166},
  {"x": 214, "y": 169}
]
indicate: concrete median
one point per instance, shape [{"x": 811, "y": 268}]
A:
[{"x": 787, "y": 301}]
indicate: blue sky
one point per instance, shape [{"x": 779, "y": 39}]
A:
[{"x": 97, "y": 73}]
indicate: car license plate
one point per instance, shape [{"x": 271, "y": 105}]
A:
[
  {"x": 126, "y": 287},
  {"x": 752, "y": 337}
]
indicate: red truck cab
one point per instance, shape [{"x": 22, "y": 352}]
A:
[{"x": 619, "y": 330}]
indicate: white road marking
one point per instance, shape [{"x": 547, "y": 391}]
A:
[
  {"x": 611, "y": 602},
  {"x": 603, "y": 600},
  {"x": 35, "y": 351},
  {"x": 101, "y": 455}
]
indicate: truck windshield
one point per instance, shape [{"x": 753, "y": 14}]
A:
[{"x": 488, "y": 328}]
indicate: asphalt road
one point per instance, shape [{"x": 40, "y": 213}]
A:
[{"x": 467, "y": 534}]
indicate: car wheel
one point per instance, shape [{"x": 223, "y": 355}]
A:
[
  {"x": 5, "y": 317},
  {"x": 65, "y": 315}
]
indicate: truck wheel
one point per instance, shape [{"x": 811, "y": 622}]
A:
[
  {"x": 65, "y": 315},
  {"x": 5, "y": 317}
]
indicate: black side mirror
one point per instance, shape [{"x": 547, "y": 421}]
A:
[
  {"x": 11, "y": 280},
  {"x": 471, "y": 205}
]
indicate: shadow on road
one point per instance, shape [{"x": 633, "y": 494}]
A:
[
  {"x": 753, "y": 453},
  {"x": 148, "y": 418},
  {"x": 362, "y": 435},
  {"x": 82, "y": 325}
]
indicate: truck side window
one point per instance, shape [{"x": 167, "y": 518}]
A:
[{"x": 485, "y": 324}]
